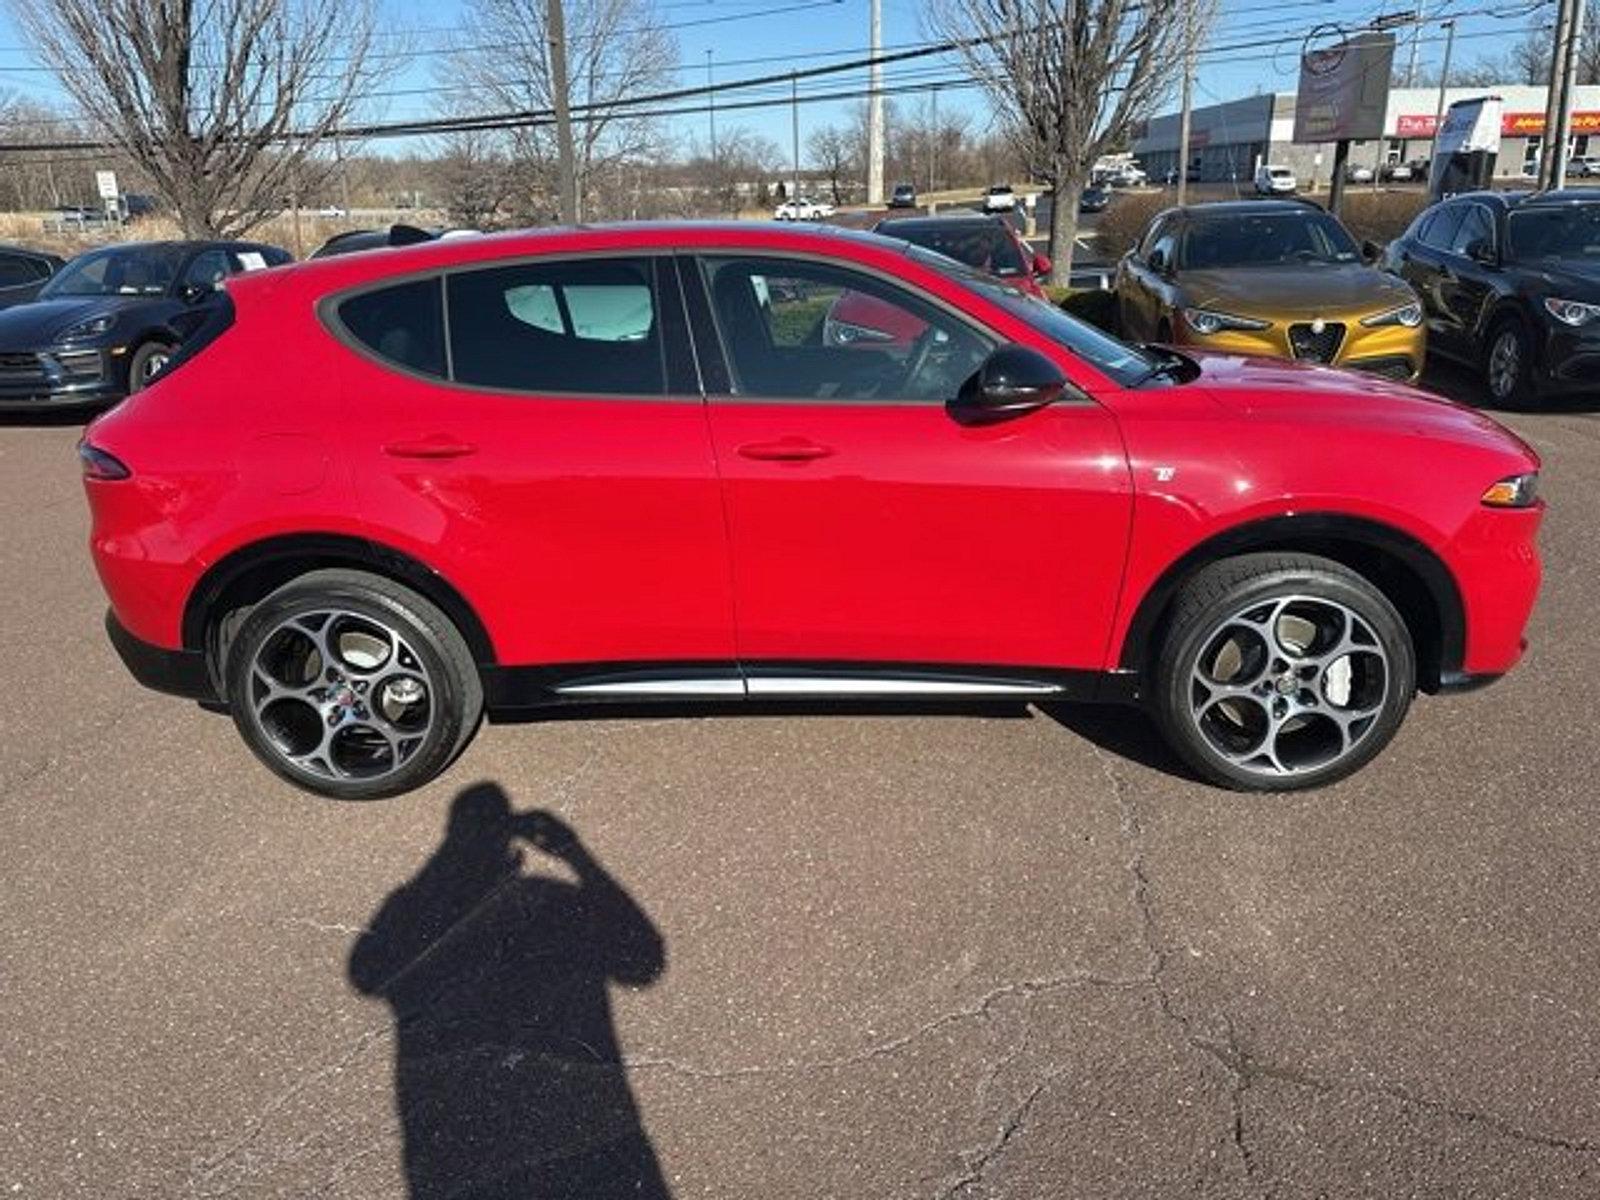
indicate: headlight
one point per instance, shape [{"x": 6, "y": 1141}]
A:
[
  {"x": 1205, "y": 321},
  {"x": 93, "y": 327},
  {"x": 1515, "y": 491},
  {"x": 1572, "y": 312},
  {"x": 1409, "y": 315},
  {"x": 843, "y": 333}
]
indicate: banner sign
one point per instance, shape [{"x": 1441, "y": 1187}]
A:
[
  {"x": 1519, "y": 124},
  {"x": 1344, "y": 90}
]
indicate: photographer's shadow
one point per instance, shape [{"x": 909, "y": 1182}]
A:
[{"x": 507, "y": 1069}]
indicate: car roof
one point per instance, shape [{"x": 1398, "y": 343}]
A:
[
  {"x": 1246, "y": 208},
  {"x": 9, "y": 248},
  {"x": 898, "y": 226}
]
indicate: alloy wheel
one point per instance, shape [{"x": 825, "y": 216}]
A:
[
  {"x": 1288, "y": 686},
  {"x": 1505, "y": 364},
  {"x": 341, "y": 696}
]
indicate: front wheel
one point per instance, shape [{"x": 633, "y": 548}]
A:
[
  {"x": 351, "y": 686},
  {"x": 1281, "y": 672},
  {"x": 1508, "y": 364},
  {"x": 148, "y": 361}
]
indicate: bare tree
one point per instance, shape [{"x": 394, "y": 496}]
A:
[
  {"x": 833, "y": 152},
  {"x": 472, "y": 179},
  {"x": 223, "y": 104},
  {"x": 1070, "y": 78},
  {"x": 616, "y": 50}
]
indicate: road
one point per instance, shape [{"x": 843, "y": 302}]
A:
[{"x": 997, "y": 953}]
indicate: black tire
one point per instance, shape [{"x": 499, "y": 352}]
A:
[
  {"x": 1233, "y": 739},
  {"x": 371, "y": 755},
  {"x": 145, "y": 362},
  {"x": 1509, "y": 335}
]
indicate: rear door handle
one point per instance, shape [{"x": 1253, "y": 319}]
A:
[
  {"x": 789, "y": 449},
  {"x": 436, "y": 445}
]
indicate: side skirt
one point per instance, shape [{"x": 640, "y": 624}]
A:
[{"x": 516, "y": 689}]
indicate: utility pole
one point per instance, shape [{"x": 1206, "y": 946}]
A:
[
  {"x": 794, "y": 119},
  {"x": 567, "y": 173},
  {"x": 1186, "y": 114},
  {"x": 1444, "y": 82},
  {"x": 933, "y": 143},
  {"x": 1552, "y": 151},
  {"x": 1569, "y": 76},
  {"x": 1416, "y": 42},
  {"x": 711, "y": 111},
  {"x": 875, "y": 107}
]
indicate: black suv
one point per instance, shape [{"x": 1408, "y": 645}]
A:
[
  {"x": 1510, "y": 284},
  {"x": 23, "y": 273},
  {"x": 111, "y": 319}
]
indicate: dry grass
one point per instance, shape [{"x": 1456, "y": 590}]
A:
[
  {"x": 1380, "y": 216},
  {"x": 35, "y": 230}
]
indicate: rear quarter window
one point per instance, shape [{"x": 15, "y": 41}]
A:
[{"x": 402, "y": 324}]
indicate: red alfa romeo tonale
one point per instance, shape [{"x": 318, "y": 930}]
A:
[{"x": 381, "y": 495}]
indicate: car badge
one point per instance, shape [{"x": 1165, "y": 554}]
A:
[{"x": 1318, "y": 325}]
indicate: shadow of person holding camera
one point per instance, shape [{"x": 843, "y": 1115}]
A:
[{"x": 507, "y": 1070}]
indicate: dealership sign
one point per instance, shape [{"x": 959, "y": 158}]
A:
[
  {"x": 1512, "y": 124},
  {"x": 1344, "y": 90}
]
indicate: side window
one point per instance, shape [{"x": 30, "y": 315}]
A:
[
  {"x": 795, "y": 328},
  {"x": 1166, "y": 245},
  {"x": 17, "y": 271},
  {"x": 1475, "y": 226},
  {"x": 587, "y": 326},
  {"x": 1152, "y": 236},
  {"x": 1441, "y": 230},
  {"x": 402, "y": 324},
  {"x": 206, "y": 271}
]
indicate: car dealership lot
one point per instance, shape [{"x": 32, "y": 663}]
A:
[{"x": 986, "y": 952}]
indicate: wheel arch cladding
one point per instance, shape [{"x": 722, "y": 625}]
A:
[
  {"x": 248, "y": 574},
  {"x": 1411, "y": 575}
]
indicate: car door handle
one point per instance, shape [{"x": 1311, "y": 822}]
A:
[
  {"x": 436, "y": 445},
  {"x": 789, "y": 449}
]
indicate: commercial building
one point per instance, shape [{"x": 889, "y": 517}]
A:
[{"x": 1228, "y": 141}]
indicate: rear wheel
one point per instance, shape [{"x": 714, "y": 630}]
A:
[
  {"x": 351, "y": 686},
  {"x": 1281, "y": 672}
]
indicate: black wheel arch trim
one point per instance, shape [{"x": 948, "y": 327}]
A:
[
  {"x": 1316, "y": 533},
  {"x": 315, "y": 551}
]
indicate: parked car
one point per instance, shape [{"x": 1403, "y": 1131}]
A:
[
  {"x": 806, "y": 209},
  {"x": 1358, "y": 174},
  {"x": 484, "y": 477},
  {"x": 353, "y": 240},
  {"x": 1000, "y": 198},
  {"x": 1093, "y": 200},
  {"x": 1397, "y": 172},
  {"x": 1510, "y": 285},
  {"x": 1584, "y": 168},
  {"x": 1128, "y": 175},
  {"x": 23, "y": 273},
  {"x": 1278, "y": 278},
  {"x": 1274, "y": 180},
  {"x": 989, "y": 244},
  {"x": 111, "y": 320},
  {"x": 903, "y": 196}
]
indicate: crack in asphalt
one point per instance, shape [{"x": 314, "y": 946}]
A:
[{"x": 980, "y": 1163}]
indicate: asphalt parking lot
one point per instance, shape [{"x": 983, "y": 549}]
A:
[{"x": 869, "y": 953}]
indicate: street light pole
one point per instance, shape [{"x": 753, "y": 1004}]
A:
[
  {"x": 794, "y": 119},
  {"x": 711, "y": 110},
  {"x": 1444, "y": 82},
  {"x": 1569, "y": 73},
  {"x": 1550, "y": 151},
  {"x": 1186, "y": 114},
  {"x": 875, "y": 107}
]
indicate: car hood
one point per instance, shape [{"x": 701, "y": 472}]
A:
[
  {"x": 1309, "y": 290},
  {"x": 1277, "y": 389},
  {"x": 1570, "y": 279},
  {"x": 40, "y": 322}
]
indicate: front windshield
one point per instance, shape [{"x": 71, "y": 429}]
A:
[
  {"x": 1126, "y": 364},
  {"x": 986, "y": 247},
  {"x": 1564, "y": 231},
  {"x": 120, "y": 271},
  {"x": 1265, "y": 240}
]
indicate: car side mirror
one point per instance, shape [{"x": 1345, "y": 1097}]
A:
[
  {"x": 192, "y": 293},
  {"x": 1041, "y": 265},
  {"x": 1480, "y": 250},
  {"x": 1012, "y": 381},
  {"x": 1371, "y": 252}
]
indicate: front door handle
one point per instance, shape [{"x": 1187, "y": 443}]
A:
[
  {"x": 436, "y": 445},
  {"x": 789, "y": 449}
]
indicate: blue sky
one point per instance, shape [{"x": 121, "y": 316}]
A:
[{"x": 756, "y": 37}]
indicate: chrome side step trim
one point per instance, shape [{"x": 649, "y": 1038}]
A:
[
  {"x": 887, "y": 685},
  {"x": 656, "y": 687}
]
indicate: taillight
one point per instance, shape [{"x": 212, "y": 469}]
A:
[{"x": 97, "y": 464}]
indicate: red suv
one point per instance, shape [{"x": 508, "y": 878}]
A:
[{"x": 381, "y": 495}]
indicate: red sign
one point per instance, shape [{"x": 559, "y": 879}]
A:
[{"x": 1512, "y": 124}]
